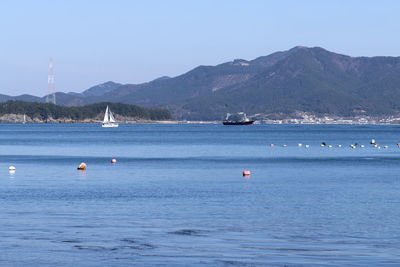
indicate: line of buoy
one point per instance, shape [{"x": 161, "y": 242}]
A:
[
  {"x": 81, "y": 166},
  {"x": 323, "y": 144}
]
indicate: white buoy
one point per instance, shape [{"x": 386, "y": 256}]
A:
[
  {"x": 362, "y": 146},
  {"x": 330, "y": 146},
  {"x": 372, "y": 141},
  {"x": 339, "y": 145},
  {"x": 307, "y": 146},
  {"x": 299, "y": 145},
  {"x": 11, "y": 168}
]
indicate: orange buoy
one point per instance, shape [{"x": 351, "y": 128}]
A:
[
  {"x": 113, "y": 161},
  {"x": 271, "y": 145},
  {"x": 246, "y": 173},
  {"x": 82, "y": 166},
  {"x": 398, "y": 144}
]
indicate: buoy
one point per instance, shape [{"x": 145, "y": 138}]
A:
[
  {"x": 113, "y": 161},
  {"x": 385, "y": 146},
  {"x": 339, "y": 145},
  {"x": 362, "y": 146},
  {"x": 11, "y": 168},
  {"x": 271, "y": 145},
  {"x": 82, "y": 166},
  {"x": 307, "y": 146},
  {"x": 379, "y": 147},
  {"x": 398, "y": 144},
  {"x": 323, "y": 144},
  {"x": 330, "y": 146},
  {"x": 246, "y": 173},
  {"x": 375, "y": 145},
  {"x": 299, "y": 144},
  {"x": 372, "y": 141},
  {"x": 353, "y": 146},
  {"x": 284, "y": 145}
]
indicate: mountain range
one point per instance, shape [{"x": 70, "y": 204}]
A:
[{"x": 307, "y": 79}]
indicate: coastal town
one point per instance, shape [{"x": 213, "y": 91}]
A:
[{"x": 308, "y": 118}]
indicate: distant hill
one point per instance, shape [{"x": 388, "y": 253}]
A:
[
  {"x": 101, "y": 89},
  {"x": 28, "y": 98},
  {"x": 44, "y": 111},
  {"x": 300, "y": 79}
]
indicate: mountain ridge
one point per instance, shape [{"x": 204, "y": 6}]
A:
[{"x": 306, "y": 79}]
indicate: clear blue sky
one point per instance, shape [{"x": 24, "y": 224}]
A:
[{"x": 136, "y": 41}]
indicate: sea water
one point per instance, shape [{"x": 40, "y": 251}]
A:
[{"x": 177, "y": 197}]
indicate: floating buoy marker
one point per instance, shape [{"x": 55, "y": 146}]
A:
[
  {"x": 113, "y": 161},
  {"x": 11, "y": 169},
  {"x": 82, "y": 166},
  {"x": 246, "y": 173}
]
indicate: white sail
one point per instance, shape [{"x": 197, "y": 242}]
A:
[
  {"x": 106, "y": 120},
  {"x": 24, "y": 118},
  {"x": 111, "y": 116},
  {"x": 109, "y": 120}
]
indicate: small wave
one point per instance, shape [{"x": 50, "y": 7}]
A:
[
  {"x": 191, "y": 232},
  {"x": 95, "y": 248},
  {"x": 71, "y": 241}
]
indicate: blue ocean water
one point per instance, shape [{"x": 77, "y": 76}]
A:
[{"x": 177, "y": 197}]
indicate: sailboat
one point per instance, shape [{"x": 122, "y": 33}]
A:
[
  {"x": 24, "y": 119},
  {"x": 109, "y": 120}
]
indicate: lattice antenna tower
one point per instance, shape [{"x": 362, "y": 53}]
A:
[{"x": 51, "y": 93}]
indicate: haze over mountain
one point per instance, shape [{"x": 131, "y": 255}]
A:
[{"x": 300, "y": 79}]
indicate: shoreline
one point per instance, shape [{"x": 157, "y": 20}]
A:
[{"x": 185, "y": 122}]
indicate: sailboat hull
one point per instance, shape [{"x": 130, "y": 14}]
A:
[{"x": 110, "y": 124}]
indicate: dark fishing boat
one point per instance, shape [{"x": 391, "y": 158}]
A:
[{"x": 239, "y": 118}]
